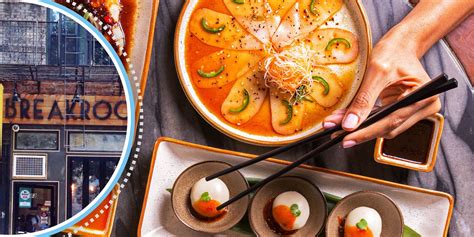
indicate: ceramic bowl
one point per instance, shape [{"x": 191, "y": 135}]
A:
[
  {"x": 315, "y": 198},
  {"x": 392, "y": 219},
  {"x": 438, "y": 122},
  {"x": 181, "y": 202},
  {"x": 352, "y": 17}
]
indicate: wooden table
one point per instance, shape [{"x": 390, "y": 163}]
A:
[{"x": 168, "y": 113}]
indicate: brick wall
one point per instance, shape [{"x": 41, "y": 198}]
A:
[
  {"x": 23, "y": 38},
  {"x": 22, "y": 11},
  {"x": 59, "y": 88}
]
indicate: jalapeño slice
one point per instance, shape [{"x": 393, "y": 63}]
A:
[
  {"x": 338, "y": 41},
  {"x": 323, "y": 82},
  {"x": 211, "y": 74},
  {"x": 210, "y": 29},
  {"x": 289, "y": 112},
  {"x": 244, "y": 104}
]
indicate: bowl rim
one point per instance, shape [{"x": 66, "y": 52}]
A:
[
  {"x": 180, "y": 176},
  {"x": 325, "y": 205},
  {"x": 338, "y": 204},
  {"x": 178, "y": 65}
]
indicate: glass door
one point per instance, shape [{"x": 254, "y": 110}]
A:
[
  {"x": 87, "y": 176},
  {"x": 34, "y": 207}
]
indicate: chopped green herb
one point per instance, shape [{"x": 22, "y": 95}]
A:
[
  {"x": 244, "y": 104},
  {"x": 338, "y": 41},
  {"x": 300, "y": 93},
  {"x": 239, "y": 1},
  {"x": 289, "y": 112},
  {"x": 205, "y": 197},
  {"x": 307, "y": 98},
  {"x": 362, "y": 224},
  {"x": 211, "y": 74},
  {"x": 295, "y": 210},
  {"x": 170, "y": 190},
  {"x": 209, "y": 29}
]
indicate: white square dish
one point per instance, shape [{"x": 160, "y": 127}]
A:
[{"x": 426, "y": 211}]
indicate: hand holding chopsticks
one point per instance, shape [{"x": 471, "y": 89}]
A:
[{"x": 432, "y": 88}]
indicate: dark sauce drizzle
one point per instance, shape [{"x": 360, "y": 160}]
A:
[{"x": 342, "y": 223}]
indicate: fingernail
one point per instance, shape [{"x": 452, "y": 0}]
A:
[
  {"x": 350, "y": 121},
  {"x": 348, "y": 144},
  {"x": 328, "y": 125}
]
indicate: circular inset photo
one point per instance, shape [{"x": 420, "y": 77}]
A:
[{"x": 66, "y": 110}]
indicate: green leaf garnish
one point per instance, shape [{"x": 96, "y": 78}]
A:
[
  {"x": 409, "y": 232},
  {"x": 295, "y": 210},
  {"x": 362, "y": 224},
  {"x": 205, "y": 197}
]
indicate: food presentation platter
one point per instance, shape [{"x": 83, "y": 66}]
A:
[{"x": 426, "y": 211}]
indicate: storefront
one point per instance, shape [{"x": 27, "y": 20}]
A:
[
  {"x": 58, "y": 153},
  {"x": 64, "y": 118}
]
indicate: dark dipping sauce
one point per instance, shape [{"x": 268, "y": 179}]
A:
[
  {"x": 205, "y": 218},
  {"x": 412, "y": 145},
  {"x": 271, "y": 223}
]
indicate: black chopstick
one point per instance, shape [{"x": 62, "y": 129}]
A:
[
  {"x": 436, "y": 86},
  {"x": 433, "y": 83},
  {"x": 274, "y": 152}
]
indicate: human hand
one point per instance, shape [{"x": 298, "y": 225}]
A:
[{"x": 394, "y": 70}]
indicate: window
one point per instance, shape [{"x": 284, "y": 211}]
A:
[
  {"x": 70, "y": 44},
  {"x": 28, "y": 140},
  {"x": 87, "y": 176},
  {"x": 79, "y": 141}
]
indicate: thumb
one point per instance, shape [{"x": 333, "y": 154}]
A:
[{"x": 360, "y": 107}]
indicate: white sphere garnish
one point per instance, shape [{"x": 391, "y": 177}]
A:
[
  {"x": 370, "y": 215},
  {"x": 297, "y": 200},
  {"x": 216, "y": 190}
]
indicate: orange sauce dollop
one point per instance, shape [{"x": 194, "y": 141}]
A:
[
  {"x": 353, "y": 231},
  {"x": 208, "y": 208},
  {"x": 282, "y": 215}
]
